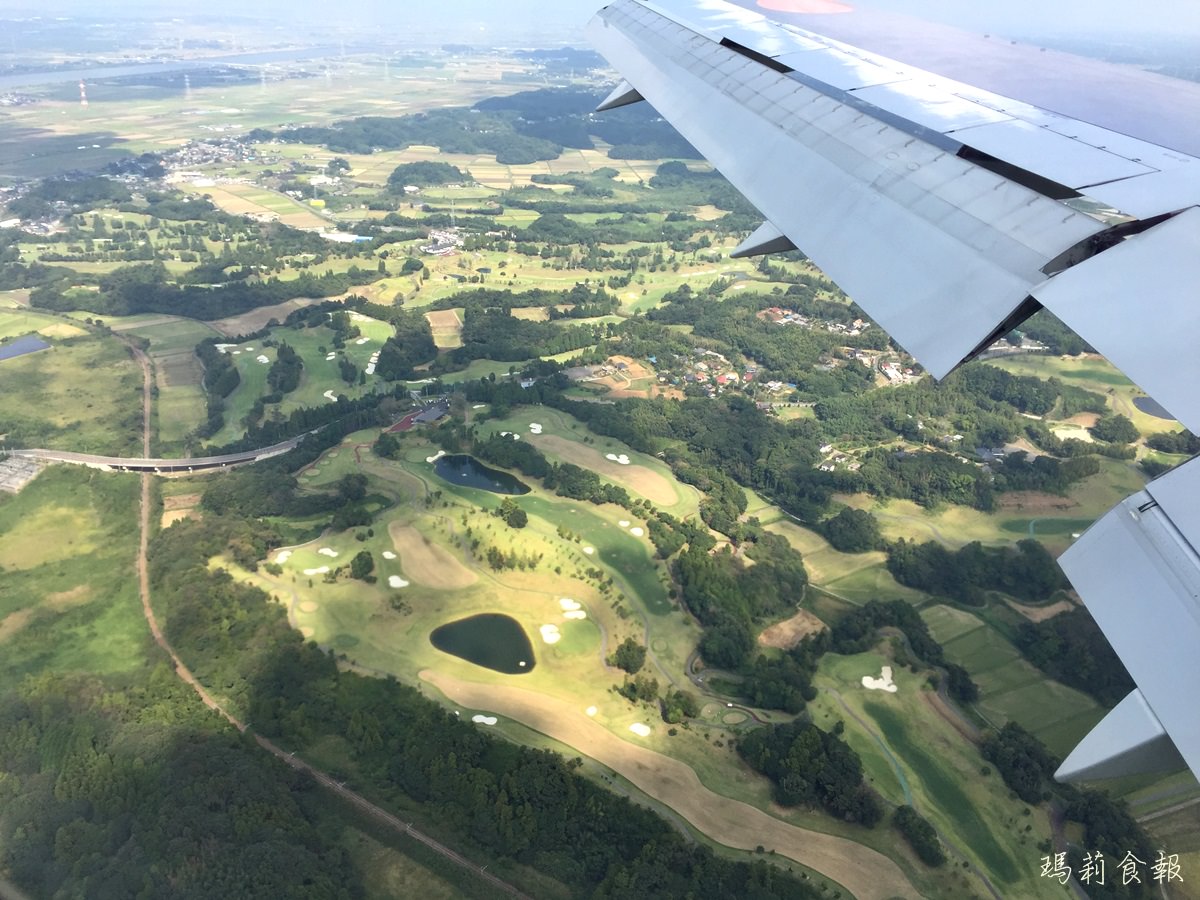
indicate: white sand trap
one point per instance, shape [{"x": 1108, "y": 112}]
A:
[
  {"x": 624, "y": 523},
  {"x": 388, "y": 554},
  {"x": 308, "y": 631},
  {"x": 568, "y": 604},
  {"x": 396, "y": 581},
  {"x": 479, "y": 406},
  {"x": 883, "y": 683},
  {"x": 282, "y": 556},
  {"x": 623, "y": 459},
  {"x": 550, "y": 634},
  {"x": 640, "y": 730},
  {"x": 591, "y": 710},
  {"x": 248, "y": 349},
  {"x": 320, "y": 570},
  {"x": 589, "y": 550},
  {"x": 575, "y": 614},
  {"x": 330, "y": 396},
  {"x": 309, "y": 606},
  {"x": 521, "y": 664},
  {"x": 330, "y": 356},
  {"x": 636, "y": 532},
  {"x": 263, "y": 360},
  {"x": 483, "y": 720},
  {"x": 535, "y": 428},
  {"x": 362, "y": 341},
  {"x": 370, "y": 370},
  {"x": 435, "y": 457},
  {"x": 224, "y": 348},
  {"x": 325, "y": 551},
  {"x": 611, "y": 456}
]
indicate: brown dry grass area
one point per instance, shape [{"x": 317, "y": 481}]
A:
[
  {"x": 181, "y": 501},
  {"x": 444, "y": 318},
  {"x": 427, "y": 563},
  {"x": 170, "y": 517},
  {"x": 61, "y": 330},
  {"x": 178, "y": 507},
  {"x": 530, "y": 313},
  {"x": 1034, "y": 501},
  {"x": 1042, "y": 613},
  {"x": 1084, "y": 419},
  {"x": 787, "y": 634},
  {"x": 650, "y": 484},
  {"x": 258, "y": 318},
  {"x": 866, "y": 873}
]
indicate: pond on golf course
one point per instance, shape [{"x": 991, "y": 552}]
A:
[
  {"x": 458, "y": 468},
  {"x": 491, "y": 640}
]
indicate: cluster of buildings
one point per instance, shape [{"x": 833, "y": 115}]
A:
[
  {"x": 204, "y": 153},
  {"x": 781, "y": 316},
  {"x": 833, "y": 460},
  {"x": 13, "y": 98},
  {"x": 443, "y": 242}
]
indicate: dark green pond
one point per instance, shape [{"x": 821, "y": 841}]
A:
[
  {"x": 490, "y": 640},
  {"x": 1152, "y": 407},
  {"x": 461, "y": 469}
]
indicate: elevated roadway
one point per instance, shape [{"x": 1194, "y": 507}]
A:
[{"x": 145, "y": 464}]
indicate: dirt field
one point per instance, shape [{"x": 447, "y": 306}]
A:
[
  {"x": 866, "y": 873},
  {"x": 447, "y": 327},
  {"x": 428, "y": 563},
  {"x": 530, "y": 313},
  {"x": 646, "y": 482},
  {"x": 1033, "y": 502},
  {"x": 255, "y": 319},
  {"x": 1042, "y": 613},
  {"x": 787, "y": 634}
]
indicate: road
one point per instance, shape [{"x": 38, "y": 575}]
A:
[
  {"x": 148, "y": 463},
  {"x": 185, "y": 674}
]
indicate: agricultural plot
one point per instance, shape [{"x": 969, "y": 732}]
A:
[
  {"x": 17, "y": 322},
  {"x": 447, "y": 326},
  {"x": 181, "y": 404},
  {"x": 250, "y": 200}
]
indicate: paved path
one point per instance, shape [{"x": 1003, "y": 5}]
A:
[{"x": 148, "y": 463}]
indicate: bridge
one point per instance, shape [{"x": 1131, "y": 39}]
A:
[{"x": 161, "y": 466}]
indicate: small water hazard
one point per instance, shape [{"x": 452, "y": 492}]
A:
[
  {"x": 1152, "y": 407},
  {"x": 466, "y": 470},
  {"x": 491, "y": 640},
  {"x": 31, "y": 343}
]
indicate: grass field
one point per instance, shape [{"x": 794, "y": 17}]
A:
[
  {"x": 82, "y": 394},
  {"x": 68, "y": 598},
  {"x": 17, "y": 322}
]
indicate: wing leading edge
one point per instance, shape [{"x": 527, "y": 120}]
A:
[{"x": 951, "y": 214}]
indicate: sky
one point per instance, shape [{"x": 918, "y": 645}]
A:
[{"x": 1013, "y": 17}]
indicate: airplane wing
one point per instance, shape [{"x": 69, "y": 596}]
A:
[{"x": 952, "y": 213}]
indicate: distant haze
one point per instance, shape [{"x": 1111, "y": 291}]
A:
[{"x": 480, "y": 20}]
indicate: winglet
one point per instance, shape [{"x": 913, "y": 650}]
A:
[
  {"x": 767, "y": 239},
  {"x": 623, "y": 95},
  {"x": 1128, "y": 741}
]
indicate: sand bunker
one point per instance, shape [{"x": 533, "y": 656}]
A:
[
  {"x": 248, "y": 349},
  {"x": 883, "y": 683},
  {"x": 330, "y": 356},
  {"x": 435, "y": 457},
  {"x": 550, "y": 634},
  {"x": 282, "y": 556},
  {"x": 589, "y": 550},
  {"x": 362, "y": 341},
  {"x": 636, "y": 532},
  {"x": 619, "y": 458},
  {"x": 535, "y": 428},
  {"x": 479, "y": 406},
  {"x": 640, "y": 730},
  {"x": 483, "y": 720},
  {"x": 224, "y": 348},
  {"x": 396, "y": 581},
  {"x": 321, "y": 570},
  {"x": 575, "y": 614},
  {"x": 325, "y": 551},
  {"x": 309, "y": 606},
  {"x": 263, "y": 359},
  {"x": 237, "y": 352},
  {"x": 388, "y": 554},
  {"x": 511, "y": 434},
  {"x": 624, "y": 523},
  {"x": 591, "y": 710},
  {"x": 330, "y": 396},
  {"x": 568, "y": 604}
]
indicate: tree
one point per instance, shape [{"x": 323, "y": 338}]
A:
[
  {"x": 362, "y": 565},
  {"x": 337, "y": 166},
  {"x": 1115, "y": 429},
  {"x": 630, "y": 656},
  {"x": 853, "y": 531}
]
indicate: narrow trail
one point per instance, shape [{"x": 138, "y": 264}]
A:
[{"x": 185, "y": 675}]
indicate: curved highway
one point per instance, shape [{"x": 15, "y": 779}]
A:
[{"x": 133, "y": 464}]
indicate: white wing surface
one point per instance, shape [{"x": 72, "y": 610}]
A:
[{"x": 951, "y": 214}]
